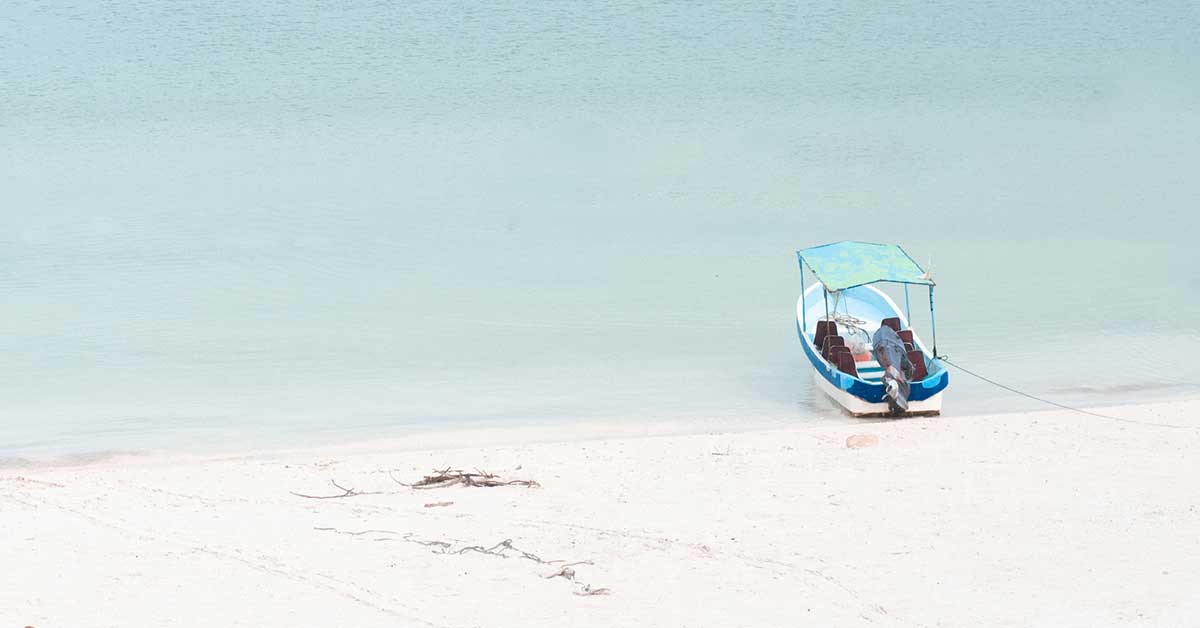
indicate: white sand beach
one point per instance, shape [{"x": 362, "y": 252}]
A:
[{"x": 1035, "y": 519}]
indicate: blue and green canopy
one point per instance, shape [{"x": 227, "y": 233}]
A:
[{"x": 842, "y": 265}]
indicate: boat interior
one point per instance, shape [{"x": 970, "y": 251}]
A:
[{"x": 834, "y": 350}]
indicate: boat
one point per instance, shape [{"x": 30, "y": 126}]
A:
[{"x": 844, "y": 307}]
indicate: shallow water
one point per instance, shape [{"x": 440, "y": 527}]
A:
[{"x": 226, "y": 223}]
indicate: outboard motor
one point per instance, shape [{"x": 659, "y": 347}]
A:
[{"x": 897, "y": 368}]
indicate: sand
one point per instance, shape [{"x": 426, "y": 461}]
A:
[{"x": 1036, "y": 519}]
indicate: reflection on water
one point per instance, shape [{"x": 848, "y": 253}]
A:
[{"x": 225, "y": 223}]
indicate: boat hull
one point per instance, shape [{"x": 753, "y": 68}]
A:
[
  {"x": 859, "y": 396},
  {"x": 855, "y": 406}
]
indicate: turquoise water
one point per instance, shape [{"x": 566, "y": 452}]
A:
[{"x": 227, "y": 222}]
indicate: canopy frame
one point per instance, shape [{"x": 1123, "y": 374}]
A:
[{"x": 892, "y": 265}]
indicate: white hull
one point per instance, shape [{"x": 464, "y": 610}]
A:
[{"x": 858, "y": 407}]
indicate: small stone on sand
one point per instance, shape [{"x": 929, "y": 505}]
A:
[{"x": 859, "y": 441}]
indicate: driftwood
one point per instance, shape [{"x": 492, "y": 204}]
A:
[
  {"x": 440, "y": 479},
  {"x": 346, "y": 492},
  {"x": 453, "y": 477}
]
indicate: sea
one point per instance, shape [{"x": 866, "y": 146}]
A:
[{"x": 276, "y": 223}]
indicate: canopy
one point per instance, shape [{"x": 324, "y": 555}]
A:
[{"x": 848, "y": 264}]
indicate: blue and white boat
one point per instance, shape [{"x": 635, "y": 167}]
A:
[{"x": 837, "y": 317}]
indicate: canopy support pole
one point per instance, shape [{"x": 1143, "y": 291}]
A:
[
  {"x": 803, "y": 307},
  {"x": 932, "y": 322},
  {"x": 825, "y": 292},
  {"x": 907, "y": 307}
]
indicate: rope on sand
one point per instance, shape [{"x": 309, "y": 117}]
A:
[{"x": 1062, "y": 405}]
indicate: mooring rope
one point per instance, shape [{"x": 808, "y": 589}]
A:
[{"x": 1063, "y": 405}]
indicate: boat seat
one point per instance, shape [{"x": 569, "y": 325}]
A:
[
  {"x": 831, "y": 344},
  {"x": 893, "y": 322},
  {"x": 919, "y": 370},
  {"x": 837, "y": 350},
  {"x": 845, "y": 363},
  {"x": 824, "y": 328},
  {"x": 819, "y": 334},
  {"x": 831, "y": 341},
  {"x": 908, "y": 346},
  {"x": 907, "y": 337}
]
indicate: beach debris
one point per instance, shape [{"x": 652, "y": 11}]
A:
[
  {"x": 346, "y": 492},
  {"x": 722, "y": 453},
  {"x": 861, "y": 441},
  {"x": 358, "y": 533},
  {"x": 565, "y": 572},
  {"x": 503, "y": 549},
  {"x": 438, "y": 504},
  {"x": 500, "y": 549},
  {"x": 453, "y": 477},
  {"x": 24, "y": 480},
  {"x": 588, "y": 590}
]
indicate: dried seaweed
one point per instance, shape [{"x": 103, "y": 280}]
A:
[
  {"x": 503, "y": 549},
  {"x": 454, "y": 477}
]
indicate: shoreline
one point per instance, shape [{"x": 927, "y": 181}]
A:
[
  {"x": 501, "y": 432},
  {"x": 985, "y": 520}
]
